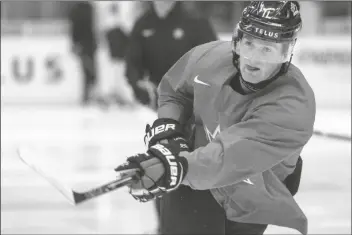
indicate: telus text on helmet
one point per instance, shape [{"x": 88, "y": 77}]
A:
[{"x": 266, "y": 33}]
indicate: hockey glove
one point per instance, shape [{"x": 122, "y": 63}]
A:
[
  {"x": 162, "y": 129},
  {"x": 160, "y": 170}
]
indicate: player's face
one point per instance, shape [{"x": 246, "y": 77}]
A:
[
  {"x": 255, "y": 71},
  {"x": 259, "y": 59}
]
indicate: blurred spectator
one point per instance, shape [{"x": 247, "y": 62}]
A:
[
  {"x": 158, "y": 39},
  {"x": 114, "y": 30},
  {"x": 116, "y": 38},
  {"x": 84, "y": 45}
]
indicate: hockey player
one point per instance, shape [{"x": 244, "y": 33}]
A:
[{"x": 253, "y": 113}]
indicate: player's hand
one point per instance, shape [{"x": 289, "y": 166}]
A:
[
  {"x": 162, "y": 130},
  {"x": 161, "y": 170}
]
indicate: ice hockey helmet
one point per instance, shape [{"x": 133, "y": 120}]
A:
[{"x": 277, "y": 21}]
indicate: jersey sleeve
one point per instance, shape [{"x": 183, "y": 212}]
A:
[
  {"x": 271, "y": 133},
  {"x": 175, "y": 91}
]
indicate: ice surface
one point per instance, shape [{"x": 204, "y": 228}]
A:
[{"x": 83, "y": 145}]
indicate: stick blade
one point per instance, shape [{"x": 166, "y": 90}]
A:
[{"x": 28, "y": 157}]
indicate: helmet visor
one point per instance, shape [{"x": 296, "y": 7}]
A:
[{"x": 256, "y": 49}]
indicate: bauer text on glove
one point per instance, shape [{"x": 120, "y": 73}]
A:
[
  {"x": 162, "y": 129},
  {"x": 161, "y": 171}
]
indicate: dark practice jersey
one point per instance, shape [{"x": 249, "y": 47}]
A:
[
  {"x": 245, "y": 145},
  {"x": 156, "y": 44}
]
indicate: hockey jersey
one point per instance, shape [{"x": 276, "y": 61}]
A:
[{"x": 245, "y": 145}]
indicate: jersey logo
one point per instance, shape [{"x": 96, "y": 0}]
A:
[
  {"x": 196, "y": 80},
  {"x": 212, "y": 135},
  {"x": 148, "y": 32},
  {"x": 248, "y": 28}
]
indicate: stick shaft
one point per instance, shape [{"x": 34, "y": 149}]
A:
[
  {"x": 75, "y": 197},
  {"x": 80, "y": 197}
]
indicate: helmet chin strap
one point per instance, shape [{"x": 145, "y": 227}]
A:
[{"x": 286, "y": 65}]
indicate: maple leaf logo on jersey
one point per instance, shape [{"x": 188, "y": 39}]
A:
[{"x": 212, "y": 135}]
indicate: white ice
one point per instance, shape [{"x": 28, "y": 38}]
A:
[{"x": 82, "y": 145}]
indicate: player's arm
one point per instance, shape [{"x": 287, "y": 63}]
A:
[
  {"x": 175, "y": 96},
  {"x": 270, "y": 134},
  {"x": 175, "y": 90},
  {"x": 162, "y": 168},
  {"x": 175, "y": 103}
]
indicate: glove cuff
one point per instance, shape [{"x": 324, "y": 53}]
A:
[
  {"x": 183, "y": 161},
  {"x": 172, "y": 176},
  {"x": 163, "y": 128}
]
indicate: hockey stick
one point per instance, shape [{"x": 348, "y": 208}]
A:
[
  {"x": 332, "y": 135},
  {"x": 75, "y": 197},
  {"x": 79, "y": 197}
]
